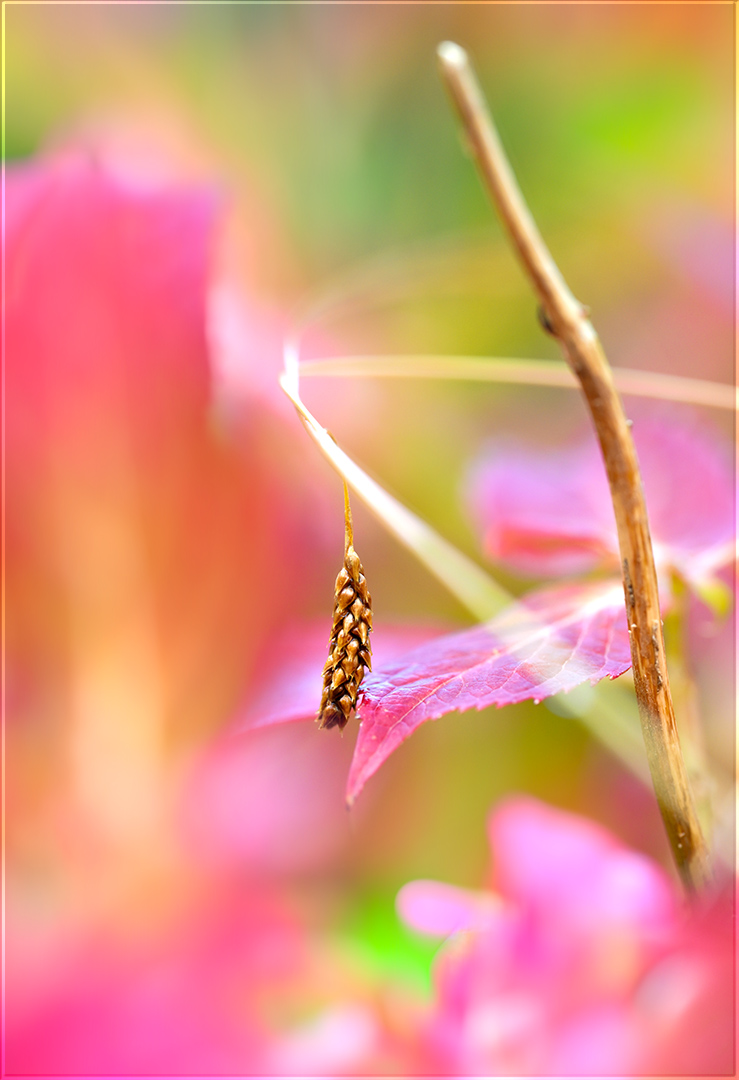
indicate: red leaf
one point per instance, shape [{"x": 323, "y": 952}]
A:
[
  {"x": 545, "y": 513},
  {"x": 288, "y": 692},
  {"x": 551, "y": 642}
]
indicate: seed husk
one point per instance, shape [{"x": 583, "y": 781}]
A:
[{"x": 349, "y": 649}]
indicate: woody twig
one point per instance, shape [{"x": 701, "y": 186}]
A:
[{"x": 567, "y": 320}]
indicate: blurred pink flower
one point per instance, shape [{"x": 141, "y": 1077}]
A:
[
  {"x": 148, "y": 529},
  {"x": 193, "y": 998},
  {"x": 148, "y": 536},
  {"x": 270, "y": 800},
  {"x": 143, "y": 547},
  {"x": 580, "y": 961},
  {"x": 548, "y": 513}
]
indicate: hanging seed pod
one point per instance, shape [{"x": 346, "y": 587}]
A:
[{"x": 349, "y": 649}]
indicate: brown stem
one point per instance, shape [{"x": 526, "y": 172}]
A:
[
  {"x": 568, "y": 321},
  {"x": 348, "y": 528}
]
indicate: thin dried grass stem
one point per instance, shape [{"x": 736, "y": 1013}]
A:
[
  {"x": 503, "y": 369},
  {"x": 348, "y": 526},
  {"x": 568, "y": 321},
  {"x": 469, "y": 583}
]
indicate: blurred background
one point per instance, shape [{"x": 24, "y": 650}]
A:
[{"x": 173, "y": 890}]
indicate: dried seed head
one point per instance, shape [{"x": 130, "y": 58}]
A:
[{"x": 349, "y": 648}]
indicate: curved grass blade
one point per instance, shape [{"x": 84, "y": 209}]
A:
[{"x": 553, "y": 373}]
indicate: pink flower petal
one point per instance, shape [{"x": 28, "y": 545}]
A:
[
  {"x": 544, "y": 513},
  {"x": 437, "y": 909},
  {"x": 549, "y": 512},
  {"x": 571, "y": 869},
  {"x": 185, "y": 1002},
  {"x": 342, "y": 1040},
  {"x": 688, "y": 480},
  {"x": 591, "y": 965},
  {"x": 105, "y": 294},
  {"x": 269, "y": 800},
  {"x": 602, "y": 1040}
]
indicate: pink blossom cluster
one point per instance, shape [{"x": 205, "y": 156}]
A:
[
  {"x": 147, "y": 929},
  {"x": 581, "y": 959}
]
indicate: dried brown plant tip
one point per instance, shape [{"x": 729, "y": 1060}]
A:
[{"x": 349, "y": 651}]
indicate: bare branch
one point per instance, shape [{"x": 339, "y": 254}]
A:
[{"x": 568, "y": 321}]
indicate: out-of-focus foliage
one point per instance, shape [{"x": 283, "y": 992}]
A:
[{"x": 180, "y": 898}]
